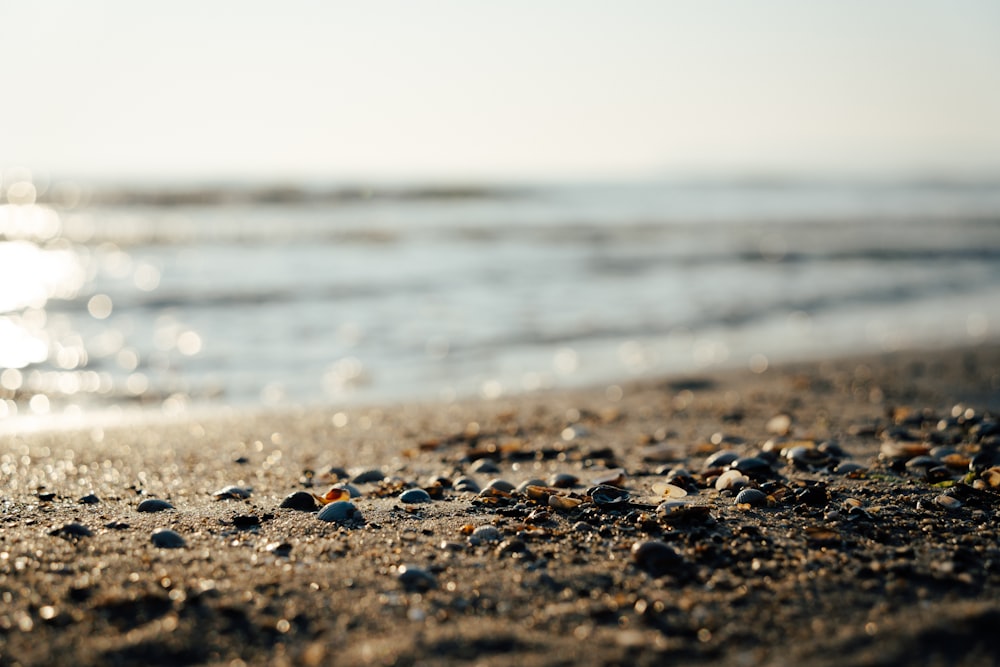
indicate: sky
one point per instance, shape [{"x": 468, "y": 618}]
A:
[{"x": 515, "y": 89}]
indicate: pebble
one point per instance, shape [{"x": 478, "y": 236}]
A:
[
  {"x": 751, "y": 465},
  {"x": 154, "y": 505},
  {"x": 655, "y": 557},
  {"x": 300, "y": 501},
  {"x": 563, "y": 480},
  {"x": 753, "y": 497},
  {"x": 484, "y": 466},
  {"x": 847, "y": 467},
  {"x": 167, "y": 539},
  {"x": 372, "y": 475},
  {"x": 501, "y": 485},
  {"x": 416, "y": 578},
  {"x": 413, "y": 496},
  {"x": 89, "y": 499},
  {"x": 341, "y": 511},
  {"x": 485, "y": 534},
  {"x": 467, "y": 484},
  {"x": 280, "y": 549},
  {"x": 72, "y": 531},
  {"x": 523, "y": 486}
]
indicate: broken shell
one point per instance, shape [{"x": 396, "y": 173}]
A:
[
  {"x": 665, "y": 490},
  {"x": 613, "y": 477},
  {"x": 563, "y": 502},
  {"x": 233, "y": 493},
  {"x": 333, "y": 495},
  {"x": 608, "y": 496}
]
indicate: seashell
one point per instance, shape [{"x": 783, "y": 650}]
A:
[
  {"x": 731, "y": 479},
  {"x": 413, "y": 496},
  {"x": 922, "y": 462},
  {"x": 485, "y": 533},
  {"x": 655, "y": 557},
  {"x": 415, "y": 578},
  {"x": 991, "y": 476},
  {"x": 333, "y": 495},
  {"x": 751, "y": 465},
  {"x": 341, "y": 511},
  {"x": 466, "y": 484},
  {"x": 563, "y": 502},
  {"x": 805, "y": 457},
  {"x": 893, "y": 449},
  {"x": 665, "y": 490},
  {"x": 663, "y": 452},
  {"x": 501, "y": 485},
  {"x": 167, "y": 539},
  {"x": 848, "y": 467},
  {"x": 563, "y": 480},
  {"x": 89, "y": 499},
  {"x": 280, "y": 549},
  {"x": 154, "y": 505},
  {"x": 608, "y": 496},
  {"x": 300, "y": 500},
  {"x": 233, "y": 493},
  {"x": 613, "y": 477},
  {"x": 752, "y": 497},
  {"x": 948, "y": 502},
  {"x": 779, "y": 425},
  {"x": 721, "y": 459},
  {"x": 523, "y": 486},
  {"x": 540, "y": 493}
]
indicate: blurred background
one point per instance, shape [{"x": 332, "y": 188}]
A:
[{"x": 331, "y": 202}]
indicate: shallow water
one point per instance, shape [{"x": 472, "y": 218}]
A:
[{"x": 248, "y": 296}]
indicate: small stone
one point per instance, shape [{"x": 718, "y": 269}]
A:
[
  {"x": 751, "y": 465},
  {"x": 300, "y": 501},
  {"x": 563, "y": 480},
  {"x": 416, "y": 578},
  {"x": 501, "y": 485},
  {"x": 485, "y": 534},
  {"x": 341, "y": 511},
  {"x": 89, "y": 499},
  {"x": 154, "y": 505},
  {"x": 655, "y": 557},
  {"x": 413, "y": 496},
  {"x": 848, "y": 467},
  {"x": 484, "y": 466},
  {"x": 752, "y": 497},
  {"x": 467, "y": 484},
  {"x": 167, "y": 539},
  {"x": 365, "y": 476},
  {"x": 72, "y": 531}
]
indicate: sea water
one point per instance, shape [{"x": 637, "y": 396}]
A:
[{"x": 182, "y": 296}]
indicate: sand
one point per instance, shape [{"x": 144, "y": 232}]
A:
[{"x": 870, "y": 567}]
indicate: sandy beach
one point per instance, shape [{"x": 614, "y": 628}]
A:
[{"x": 853, "y": 523}]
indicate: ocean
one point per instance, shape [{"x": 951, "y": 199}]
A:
[{"x": 178, "y": 297}]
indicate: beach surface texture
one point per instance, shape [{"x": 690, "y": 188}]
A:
[{"x": 842, "y": 512}]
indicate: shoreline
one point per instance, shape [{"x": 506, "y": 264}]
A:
[{"x": 867, "y": 567}]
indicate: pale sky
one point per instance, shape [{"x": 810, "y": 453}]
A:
[{"x": 507, "y": 89}]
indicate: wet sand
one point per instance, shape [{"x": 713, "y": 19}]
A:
[{"x": 855, "y": 552}]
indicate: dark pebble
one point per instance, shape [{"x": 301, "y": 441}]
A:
[
  {"x": 167, "y": 539},
  {"x": 154, "y": 505},
  {"x": 656, "y": 558},
  {"x": 416, "y": 578},
  {"x": 300, "y": 501},
  {"x": 373, "y": 475},
  {"x": 721, "y": 459},
  {"x": 563, "y": 480},
  {"x": 233, "y": 493},
  {"x": 89, "y": 499},
  {"x": 72, "y": 531}
]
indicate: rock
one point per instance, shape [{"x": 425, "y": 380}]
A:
[
  {"x": 167, "y": 539},
  {"x": 154, "y": 505}
]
